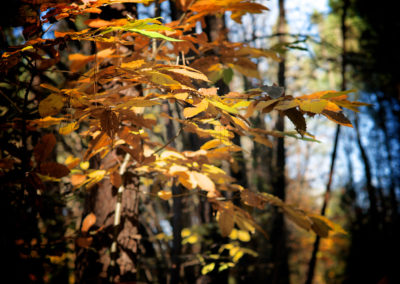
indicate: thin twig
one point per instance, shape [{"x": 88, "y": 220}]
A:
[{"x": 169, "y": 141}]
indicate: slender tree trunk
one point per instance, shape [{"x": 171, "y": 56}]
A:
[
  {"x": 280, "y": 273},
  {"x": 313, "y": 261}
]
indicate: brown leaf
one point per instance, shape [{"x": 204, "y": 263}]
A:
[
  {"x": 88, "y": 222},
  {"x": 116, "y": 179},
  {"x": 226, "y": 219},
  {"x": 320, "y": 227},
  {"x": 337, "y": 117},
  {"x": 44, "y": 148},
  {"x": 54, "y": 169},
  {"x": 109, "y": 122},
  {"x": 84, "y": 242},
  {"x": 252, "y": 199},
  {"x": 297, "y": 118}
]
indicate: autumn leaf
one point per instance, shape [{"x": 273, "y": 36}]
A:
[
  {"x": 226, "y": 218},
  {"x": 67, "y": 129},
  {"x": 165, "y": 195},
  {"x": 116, "y": 179},
  {"x": 203, "y": 181},
  {"x": 51, "y": 105},
  {"x": 192, "y": 111},
  {"x": 44, "y": 147},
  {"x": 88, "y": 222},
  {"x": 54, "y": 169}
]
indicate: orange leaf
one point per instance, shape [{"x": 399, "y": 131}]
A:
[
  {"x": 77, "y": 179},
  {"x": 165, "y": 195},
  {"x": 88, "y": 222}
]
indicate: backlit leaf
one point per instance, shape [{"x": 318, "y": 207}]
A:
[
  {"x": 192, "y": 111},
  {"x": 313, "y": 106},
  {"x": 203, "y": 181},
  {"x": 165, "y": 195}
]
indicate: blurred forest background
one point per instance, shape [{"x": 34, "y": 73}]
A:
[{"x": 352, "y": 176}]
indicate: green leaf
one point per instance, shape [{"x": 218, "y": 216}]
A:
[
  {"x": 227, "y": 75},
  {"x": 336, "y": 94},
  {"x": 153, "y": 34},
  {"x": 224, "y": 107}
]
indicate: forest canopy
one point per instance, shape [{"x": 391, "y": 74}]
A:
[{"x": 139, "y": 143}]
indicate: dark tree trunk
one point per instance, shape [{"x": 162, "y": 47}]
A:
[
  {"x": 313, "y": 261},
  {"x": 280, "y": 272}
]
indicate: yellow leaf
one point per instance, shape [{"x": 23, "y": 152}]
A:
[
  {"x": 181, "y": 96},
  {"x": 203, "y": 181},
  {"x": 84, "y": 165},
  {"x": 313, "y": 106},
  {"x": 161, "y": 79},
  {"x": 187, "y": 180},
  {"x": 192, "y": 111},
  {"x": 194, "y": 74},
  {"x": 185, "y": 233},
  {"x": 67, "y": 129},
  {"x": 47, "y": 121},
  {"x": 193, "y": 239},
  {"x": 239, "y": 122},
  {"x": 51, "y": 105},
  {"x": 165, "y": 195},
  {"x": 234, "y": 234},
  {"x": 243, "y": 236},
  {"x": 284, "y": 105},
  {"x": 263, "y": 104},
  {"x": 211, "y": 144},
  {"x": 174, "y": 169},
  {"x": 224, "y": 106},
  {"x": 208, "y": 268},
  {"x": 133, "y": 64}
]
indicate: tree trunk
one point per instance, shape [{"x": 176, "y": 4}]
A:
[
  {"x": 280, "y": 272},
  {"x": 93, "y": 263},
  {"x": 313, "y": 260}
]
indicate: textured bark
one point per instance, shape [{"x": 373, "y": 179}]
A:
[{"x": 93, "y": 264}]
